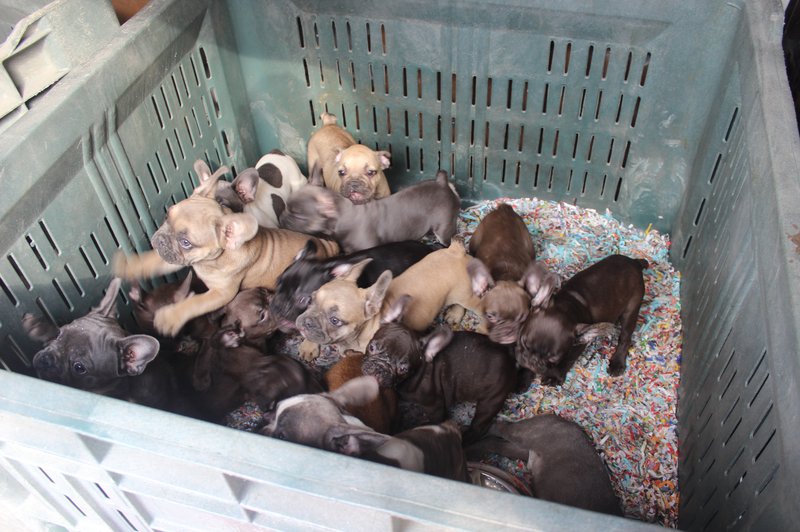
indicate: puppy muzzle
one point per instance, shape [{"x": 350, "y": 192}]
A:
[
  {"x": 311, "y": 329},
  {"x": 356, "y": 191},
  {"x": 380, "y": 369},
  {"x": 46, "y": 365},
  {"x": 165, "y": 245}
]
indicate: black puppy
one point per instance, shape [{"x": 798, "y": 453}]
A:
[
  {"x": 553, "y": 337},
  {"x": 307, "y": 273},
  {"x": 441, "y": 369}
]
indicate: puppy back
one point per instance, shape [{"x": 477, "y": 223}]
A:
[{"x": 380, "y": 413}]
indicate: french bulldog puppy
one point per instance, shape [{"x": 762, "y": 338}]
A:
[
  {"x": 225, "y": 377},
  {"x": 442, "y": 368},
  {"x": 319, "y": 420},
  {"x": 227, "y": 251},
  {"x": 554, "y": 335},
  {"x": 94, "y": 353},
  {"x": 347, "y": 168},
  {"x": 247, "y": 319},
  {"x": 378, "y": 414},
  {"x": 438, "y": 280},
  {"x": 409, "y": 214},
  {"x": 341, "y": 313},
  {"x": 503, "y": 251},
  {"x": 261, "y": 191},
  {"x": 307, "y": 273},
  {"x": 564, "y": 464},
  {"x": 432, "y": 449}
]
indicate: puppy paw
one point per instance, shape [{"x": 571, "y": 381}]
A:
[
  {"x": 124, "y": 267},
  {"x": 615, "y": 369},
  {"x": 167, "y": 321},
  {"x": 454, "y": 314},
  {"x": 308, "y": 351}
]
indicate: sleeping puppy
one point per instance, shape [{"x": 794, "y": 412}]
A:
[
  {"x": 564, "y": 464},
  {"x": 349, "y": 169},
  {"x": 410, "y": 214},
  {"x": 227, "y": 251},
  {"x": 554, "y": 336},
  {"x": 441, "y": 369},
  {"x": 503, "y": 251},
  {"x": 307, "y": 273},
  {"x": 247, "y": 319},
  {"x": 261, "y": 191},
  {"x": 94, "y": 353}
]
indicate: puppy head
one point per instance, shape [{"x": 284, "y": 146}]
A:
[
  {"x": 311, "y": 210},
  {"x": 147, "y": 303},
  {"x": 92, "y": 351},
  {"x": 360, "y": 170},
  {"x": 317, "y": 420},
  {"x": 396, "y": 351},
  {"x": 248, "y": 315},
  {"x": 296, "y": 284},
  {"x": 340, "y": 309},
  {"x": 505, "y": 303},
  {"x": 198, "y": 229}
]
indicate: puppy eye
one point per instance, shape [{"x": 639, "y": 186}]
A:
[
  {"x": 342, "y": 172},
  {"x": 491, "y": 316},
  {"x": 262, "y": 315},
  {"x": 336, "y": 322},
  {"x": 371, "y": 172},
  {"x": 185, "y": 244},
  {"x": 303, "y": 300},
  {"x": 372, "y": 348},
  {"x": 79, "y": 368}
]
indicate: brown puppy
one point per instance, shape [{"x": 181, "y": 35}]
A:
[
  {"x": 248, "y": 320},
  {"x": 341, "y": 313},
  {"x": 227, "y": 251},
  {"x": 379, "y": 413},
  {"x": 348, "y": 168},
  {"x": 437, "y": 281},
  {"x": 503, "y": 251}
]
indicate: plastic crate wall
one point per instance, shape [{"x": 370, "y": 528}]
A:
[{"x": 196, "y": 74}]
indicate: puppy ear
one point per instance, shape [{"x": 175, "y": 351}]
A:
[
  {"x": 136, "y": 352},
  {"x": 326, "y": 204},
  {"x": 108, "y": 305},
  {"x": 233, "y": 230},
  {"x": 436, "y": 341},
  {"x": 39, "y": 329},
  {"x": 246, "y": 184},
  {"x": 356, "y": 392},
  {"x": 346, "y": 439},
  {"x": 348, "y": 271},
  {"x": 480, "y": 276},
  {"x": 586, "y": 332},
  {"x": 540, "y": 284},
  {"x": 385, "y": 158},
  {"x": 308, "y": 251},
  {"x": 338, "y": 156},
  {"x": 208, "y": 181},
  {"x": 184, "y": 290},
  {"x": 376, "y": 293},
  {"x": 397, "y": 310},
  {"x": 315, "y": 177},
  {"x": 135, "y": 293}
]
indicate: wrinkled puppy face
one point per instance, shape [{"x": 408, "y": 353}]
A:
[
  {"x": 248, "y": 314},
  {"x": 311, "y": 210},
  {"x": 506, "y": 307},
  {"x": 191, "y": 232},
  {"x": 360, "y": 170},
  {"x": 392, "y": 354},
  {"x": 340, "y": 309},
  {"x": 546, "y": 338},
  {"x": 305, "y": 419}
]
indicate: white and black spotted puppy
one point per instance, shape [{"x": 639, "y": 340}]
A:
[{"x": 261, "y": 191}]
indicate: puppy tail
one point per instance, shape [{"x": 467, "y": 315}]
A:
[{"x": 328, "y": 119}]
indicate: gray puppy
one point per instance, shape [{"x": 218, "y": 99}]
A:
[
  {"x": 408, "y": 214},
  {"x": 92, "y": 352},
  {"x": 563, "y": 462}
]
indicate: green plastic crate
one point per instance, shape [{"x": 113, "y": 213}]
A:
[{"x": 670, "y": 113}]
